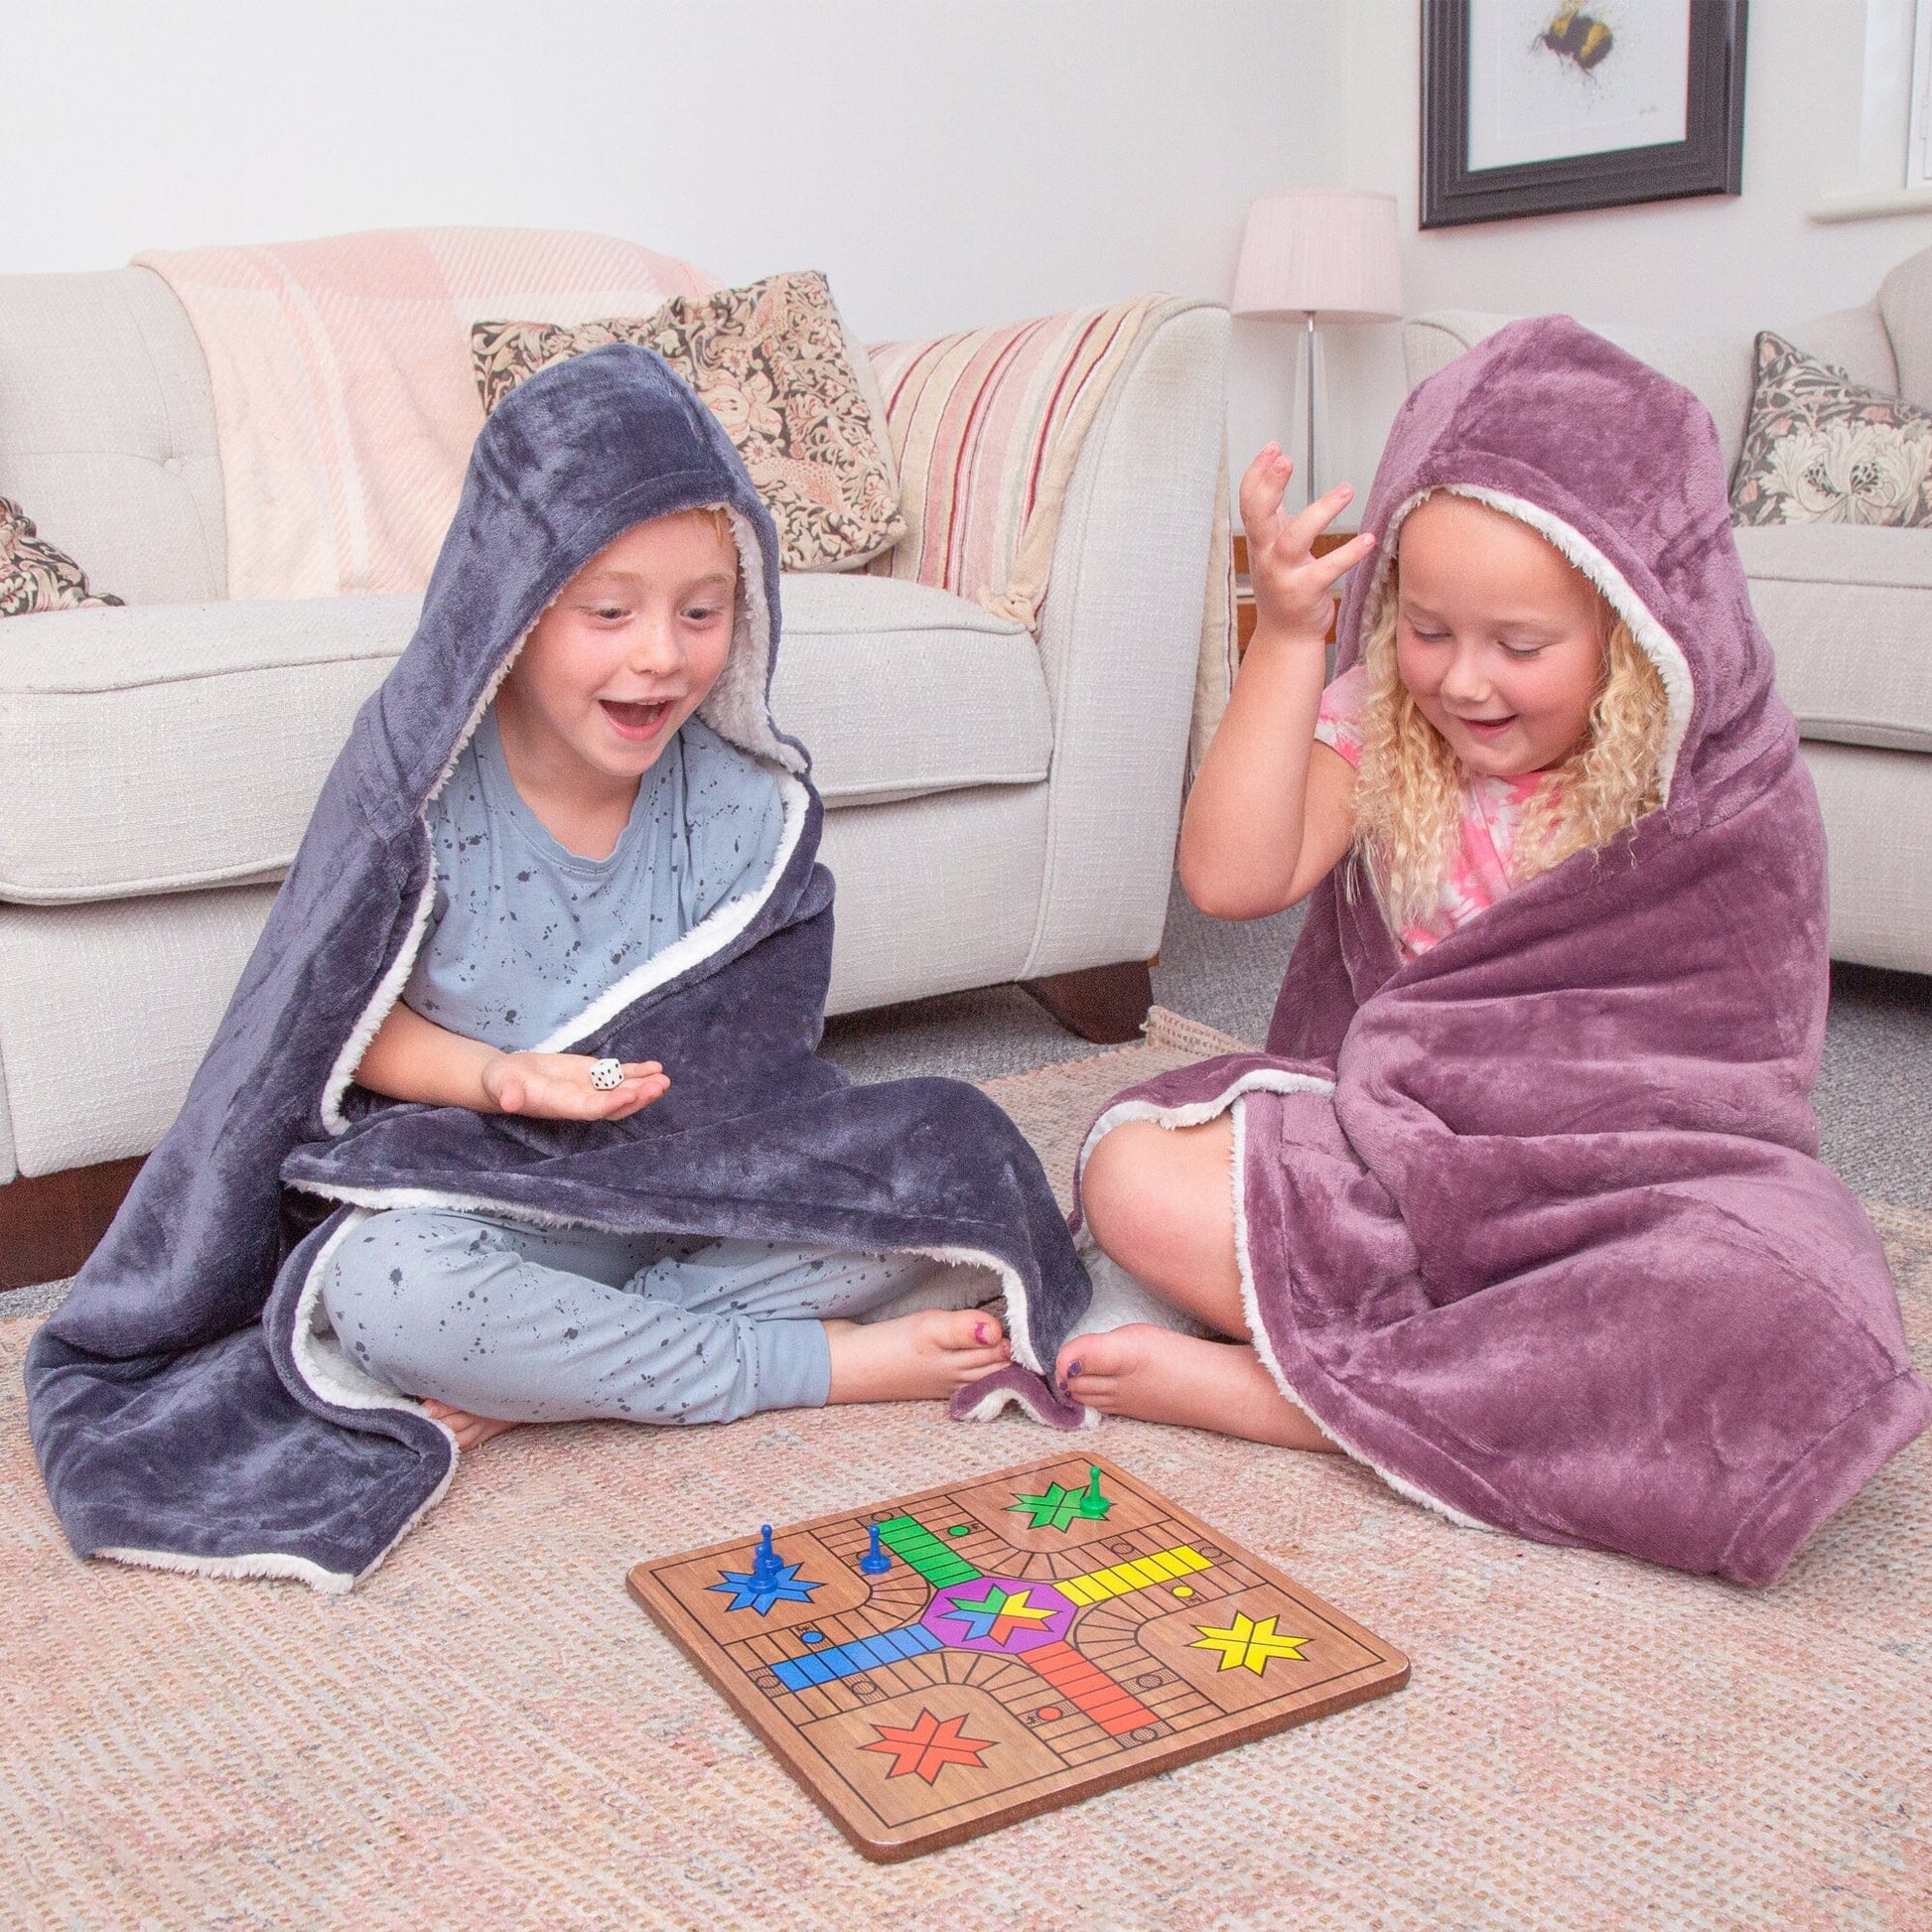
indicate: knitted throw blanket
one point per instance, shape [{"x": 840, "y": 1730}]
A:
[{"x": 344, "y": 399}]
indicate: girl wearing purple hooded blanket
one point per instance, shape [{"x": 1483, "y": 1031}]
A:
[{"x": 1525, "y": 1211}]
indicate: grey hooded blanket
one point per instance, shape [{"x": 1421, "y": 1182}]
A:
[{"x": 186, "y": 1406}]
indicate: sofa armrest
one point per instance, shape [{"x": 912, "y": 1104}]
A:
[
  {"x": 1854, "y": 340},
  {"x": 1120, "y": 639}
]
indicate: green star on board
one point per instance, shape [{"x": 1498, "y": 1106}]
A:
[
  {"x": 1056, "y": 1509},
  {"x": 1053, "y": 1511}
]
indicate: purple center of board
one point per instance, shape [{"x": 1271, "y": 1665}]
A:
[{"x": 1002, "y": 1614}]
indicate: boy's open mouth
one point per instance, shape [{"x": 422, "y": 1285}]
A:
[{"x": 635, "y": 721}]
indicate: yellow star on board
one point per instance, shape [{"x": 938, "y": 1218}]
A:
[{"x": 1246, "y": 1644}]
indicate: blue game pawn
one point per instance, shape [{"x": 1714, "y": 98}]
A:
[
  {"x": 874, "y": 1562},
  {"x": 765, "y": 1560}
]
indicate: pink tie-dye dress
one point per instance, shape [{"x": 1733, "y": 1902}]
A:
[{"x": 1480, "y": 873}]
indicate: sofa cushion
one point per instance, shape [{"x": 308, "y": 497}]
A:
[
  {"x": 107, "y": 431},
  {"x": 1821, "y": 448},
  {"x": 36, "y": 575},
  {"x": 775, "y": 364},
  {"x": 145, "y": 751},
  {"x": 150, "y": 750},
  {"x": 900, "y": 689},
  {"x": 1854, "y": 340},
  {"x": 1848, "y": 608}
]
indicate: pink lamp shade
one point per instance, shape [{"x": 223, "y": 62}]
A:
[{"x": 1325, "y": 251}]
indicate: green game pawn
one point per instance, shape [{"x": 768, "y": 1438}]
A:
[{"x": 1092, "y": 1505}]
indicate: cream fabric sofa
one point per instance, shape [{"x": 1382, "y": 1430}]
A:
[
  {"x": 998, "y": 807},
  {"x": 1848, "y": 608}
]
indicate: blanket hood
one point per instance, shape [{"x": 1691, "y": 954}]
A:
[
  {"x": 571, "y": 460},
  {"x": 1620, "y": 468}
]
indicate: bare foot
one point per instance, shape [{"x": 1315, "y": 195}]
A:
[
  {"x": 1154, "y": 1375},
  {"x": 470, "y": 1430},
  {"x": 917, "y": 1356}
]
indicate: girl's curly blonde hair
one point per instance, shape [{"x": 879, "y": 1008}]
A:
[{"x": 1413, "y": 790}]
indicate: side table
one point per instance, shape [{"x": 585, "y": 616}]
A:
[{"x": 1244, "y": 594}]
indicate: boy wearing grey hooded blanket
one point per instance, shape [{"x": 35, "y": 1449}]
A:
[{"x": 223, "y": 1391}]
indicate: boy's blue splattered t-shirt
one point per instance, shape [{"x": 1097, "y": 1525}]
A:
[{"x": 523, "y": 936}]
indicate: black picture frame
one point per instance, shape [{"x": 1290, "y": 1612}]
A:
[{"x": 1708, "y": 160}]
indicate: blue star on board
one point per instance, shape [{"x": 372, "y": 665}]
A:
[{"x": 760, "y": 1586}]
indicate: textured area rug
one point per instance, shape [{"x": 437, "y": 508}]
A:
[{"x": 490, "y": 1733}]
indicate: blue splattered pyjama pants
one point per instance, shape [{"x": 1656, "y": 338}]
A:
[{"x": 563, "y": 1324}]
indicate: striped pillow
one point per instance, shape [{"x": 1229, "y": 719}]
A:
[{"x": 988, "y": 426}]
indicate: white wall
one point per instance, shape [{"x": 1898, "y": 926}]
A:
[
  {"x": 1713, "y": 262},
  {"x": 948, "y": 163}
]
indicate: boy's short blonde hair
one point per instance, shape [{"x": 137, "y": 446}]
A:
[
  {"x": 721, "y": 522},
  {"x": 1413, "y": 790}
]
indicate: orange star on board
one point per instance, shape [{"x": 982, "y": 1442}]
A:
[{"x": 925, "y": 1748}]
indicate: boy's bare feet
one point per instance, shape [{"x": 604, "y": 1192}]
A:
[
  {"x": 470, "y": 1430},
  {"x": 1155, "y": 1375},
  {"x": 926, "y": 1356}
]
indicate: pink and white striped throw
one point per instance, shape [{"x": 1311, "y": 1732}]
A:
[
  {"x": 343, "y": 400},
  {"x": 987, "y": 428}
]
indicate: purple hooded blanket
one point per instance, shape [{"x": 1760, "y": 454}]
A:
[
  {"x": 188, "y": 1408},
  {"x": 1532, "y": 1224}
]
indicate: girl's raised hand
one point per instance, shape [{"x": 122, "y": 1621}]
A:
[
  {"x": 1294, "y": 588},
  {"x": 557, "y": 1086}
]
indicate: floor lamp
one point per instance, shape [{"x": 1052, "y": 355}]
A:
[{"x": 1324, "y": 254}]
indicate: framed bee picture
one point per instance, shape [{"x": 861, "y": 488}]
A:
[{"x": 1545, "y": 107}]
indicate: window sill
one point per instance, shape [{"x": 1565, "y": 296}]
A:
[{"x": 1871, "y": 204}]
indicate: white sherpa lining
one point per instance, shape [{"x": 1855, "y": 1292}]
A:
[
  {"x": 1268, "y": 1079},
  {"x": 319, "y": 1358},
  {"x": 735, "y": 708},
  {"x": 300, "y": 1570},
  {"x": 1010, "y": 1286},
  {"x": 388, "y": 991},
  {"x": 390, "y": 988},
  {"x": 1656, "y": 643},
  {"x": 379, "y": 1199},
  {"x": 995, "y": 1402}
]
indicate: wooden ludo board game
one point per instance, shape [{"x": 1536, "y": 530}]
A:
[{"x": 954, "y": 1661}]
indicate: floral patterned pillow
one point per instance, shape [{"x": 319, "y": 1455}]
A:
[
  {"x": 1823, "y": 449},
  {"x": 34, "y": 574},
  {"x": 774, "y": 364}
]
